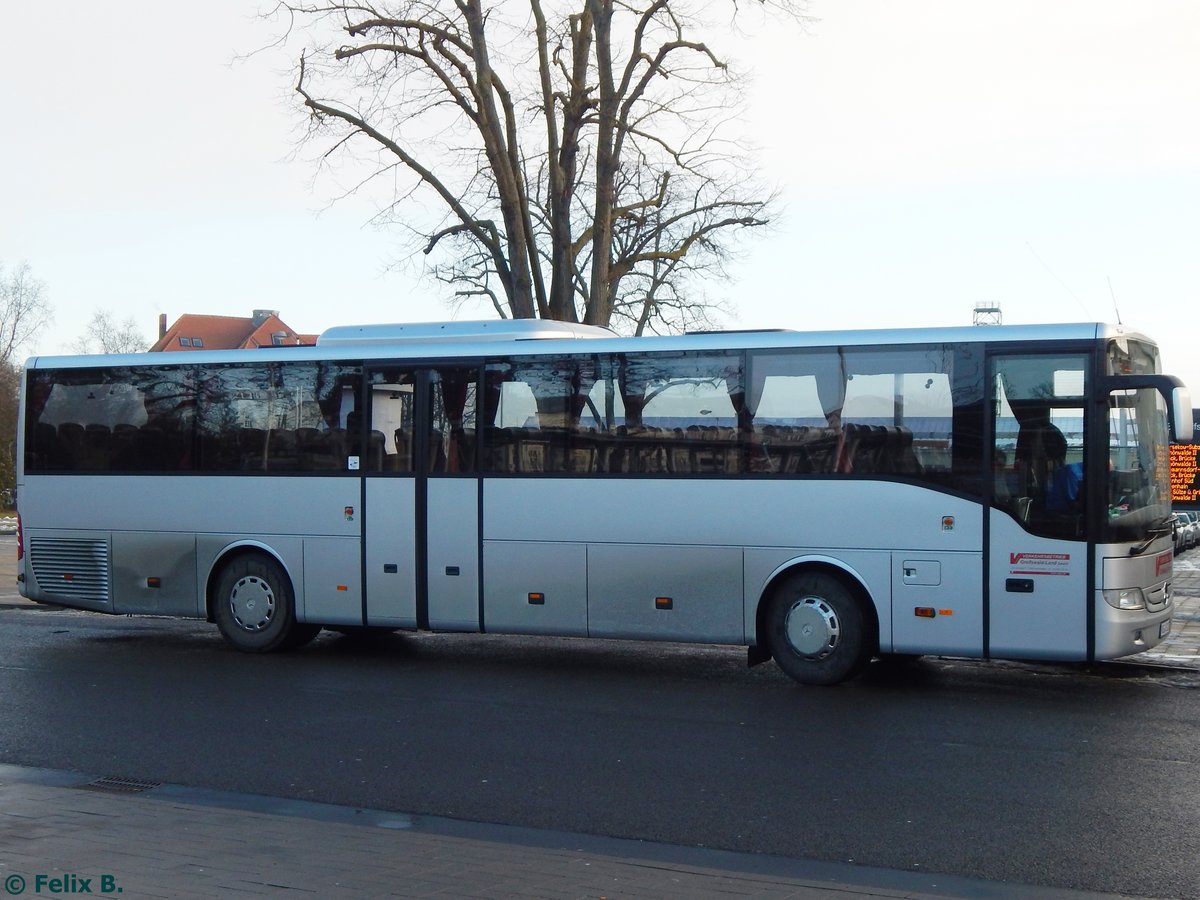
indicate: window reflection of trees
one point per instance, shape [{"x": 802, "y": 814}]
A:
[
  {"x": 852, "y": 411},
  {"x": 181, "y": 418},
  {"x": 913, "y": 412}
]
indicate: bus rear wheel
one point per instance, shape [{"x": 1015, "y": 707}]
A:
[
  {"x": 817, "y": 629},
  {"x": 254, "y": 606}
]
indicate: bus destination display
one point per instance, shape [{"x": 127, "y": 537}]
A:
[{"x": 1185, "y": 474}]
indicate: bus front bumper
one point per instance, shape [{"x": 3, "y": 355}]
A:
[{"x": 1124, "y": 632}]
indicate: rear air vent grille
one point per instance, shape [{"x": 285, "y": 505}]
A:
[{"x": 71, "y": 567}]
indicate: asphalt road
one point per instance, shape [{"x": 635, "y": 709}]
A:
[{"x": 1042, "y": 775}]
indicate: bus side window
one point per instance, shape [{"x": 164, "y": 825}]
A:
[
  {"x": 452, "y": 423},
  {"x": 1038, "y": 419},
  {"x": 390, "y": 435}
]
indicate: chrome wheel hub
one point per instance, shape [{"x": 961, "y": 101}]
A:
[
  {"x": 812, "y": 628},
  {"x": 252, "y": 603}
]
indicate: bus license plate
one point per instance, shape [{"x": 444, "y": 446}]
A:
[{"x": 1164, "y": 629}]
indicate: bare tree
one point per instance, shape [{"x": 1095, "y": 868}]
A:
[
  {"x": 572, "y": 160},
  {"x": 105, "y": 334},
  {"x": 10, "y": 388},
  {"x": 24, "y": 310}
]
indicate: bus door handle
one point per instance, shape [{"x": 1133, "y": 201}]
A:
[{"x": 1019, "y": 585}]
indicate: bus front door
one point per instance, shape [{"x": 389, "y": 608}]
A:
[
  {"x": 1037, "y": 558},
  {"x": 1037, "y": 592}
]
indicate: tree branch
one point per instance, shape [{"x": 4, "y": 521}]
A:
[{"x": 424, "y": 174}]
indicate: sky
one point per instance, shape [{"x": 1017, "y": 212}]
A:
[{"x": 931, "y": 156}]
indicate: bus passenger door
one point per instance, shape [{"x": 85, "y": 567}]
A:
[
  {"x": 421, "y": 535},
  {"x": 390, "y": 500},
  {"x": 448, "y": 471},
  {"x": 1038, "y": 590},
  {"x": 1038, "y": 594}
]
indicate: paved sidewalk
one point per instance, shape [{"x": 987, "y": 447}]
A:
[
  {"x": 1182, "y": 646},
  {"x": 144, "y": 840},
  {"x": 61, "y": 831}
]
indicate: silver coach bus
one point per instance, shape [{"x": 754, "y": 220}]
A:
[{"x": 821, "y": 499}]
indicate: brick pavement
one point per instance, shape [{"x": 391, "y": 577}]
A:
[{"x": 173, "y": 841}]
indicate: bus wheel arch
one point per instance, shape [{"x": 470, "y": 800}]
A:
[
  {"x": 252, "y": 600},
  {"x": 818, "y": 622}
]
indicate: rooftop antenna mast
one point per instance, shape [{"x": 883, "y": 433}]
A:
[{"x": 1114, "y": 299}]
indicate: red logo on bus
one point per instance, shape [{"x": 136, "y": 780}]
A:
[{"x": 1014, "y": 558}]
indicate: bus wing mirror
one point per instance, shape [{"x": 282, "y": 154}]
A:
[
  {"x": 1182, "y": 428},
  {"x": 1174, "y": 393}
]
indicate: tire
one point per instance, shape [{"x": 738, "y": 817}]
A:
[
  {"x": 254, "y": 606},
  {"x": 817, "y": 629}
]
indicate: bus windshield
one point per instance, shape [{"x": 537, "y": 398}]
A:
[{"x": 1139, "y": 483}]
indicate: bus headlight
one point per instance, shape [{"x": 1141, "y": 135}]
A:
[{"x": 1126, "y": 598}]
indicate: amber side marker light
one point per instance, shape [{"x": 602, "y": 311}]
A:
[
  {"x": 925, "y": 612},
  {"x": 663, "y": 603},
  {"x": 537, "y": 599}
]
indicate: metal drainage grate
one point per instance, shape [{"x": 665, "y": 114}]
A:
[{"x": 113, "y": 785}]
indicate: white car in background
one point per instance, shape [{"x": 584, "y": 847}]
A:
[
  {"x": 1186, "y": 531},
  {"x": 1193, "y": 530}
]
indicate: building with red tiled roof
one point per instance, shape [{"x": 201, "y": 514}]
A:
[{"x": 195, "y": 332}]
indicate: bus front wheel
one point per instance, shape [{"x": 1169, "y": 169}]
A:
[
  {"x": 817, "y": 629},
  {"x": 254, "y": 606}
]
